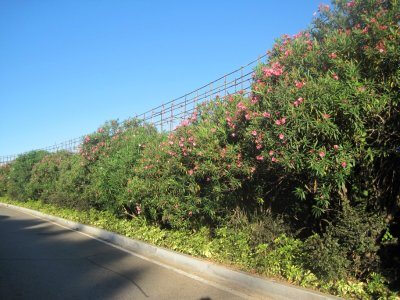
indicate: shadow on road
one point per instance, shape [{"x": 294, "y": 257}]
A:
[{"x": 39, "y": 260}]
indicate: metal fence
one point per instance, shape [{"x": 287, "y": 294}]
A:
[{"x": 168, "y": 115}]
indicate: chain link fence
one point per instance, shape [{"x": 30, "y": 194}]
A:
[{"x": 167, "y": 116}]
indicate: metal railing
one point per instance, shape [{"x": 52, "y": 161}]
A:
[{"x": 167, "y": 116}]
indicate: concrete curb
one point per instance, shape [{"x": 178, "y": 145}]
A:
[{"x": 264, "y": 287}]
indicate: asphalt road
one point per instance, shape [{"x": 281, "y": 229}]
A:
[{"x": 40, "y": 260}]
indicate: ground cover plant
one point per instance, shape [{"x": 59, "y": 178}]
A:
[
  {"x": 297, "y": 179},
  {"x": 280, "y": 259}
]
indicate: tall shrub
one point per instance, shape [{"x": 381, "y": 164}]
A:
[
  {"x": 316, "y": 139},
  {"x": 20, "y": 174},
  {"x": 4, "y": 177},
  {"x": 45, "y": 173},
  {"x": 115, "y": 156}
]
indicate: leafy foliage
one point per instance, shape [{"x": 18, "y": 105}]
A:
[
  {"x": 4, "y": 177},
  {"x": 116, "y": 155},
  {"x": 20, "y": 174}
]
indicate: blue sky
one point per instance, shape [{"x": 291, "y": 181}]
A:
[{"x": 68, "y": 66}]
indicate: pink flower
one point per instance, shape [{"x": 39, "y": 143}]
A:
[
  {"x": 380, "y": 47},
  {"x": 190, "y": 172},
  {"x": 344, "y": 164},
  {"x": 254, "y": 100},
  {"x": 275, "y": 70},
  {"x": 278, "y": 122},
  {"x": 335, "y": 76},
  {"x": 259, "y": 146},
  {"x": 332, "y": 55},
  {"x": 288, "y": 52},
  {"x": 260, "y": 157},
  {"x": 336, "y": 147},
  {"x": 324, "y": 7},
  {"x": 247, "y": 116},
  {"x": 296, "y": 103},
  {"x": 322, "y": 154},
  {"x": 100, "y": 130},
  {"x": 271, "y": 152},
  {"x": 281, "y": 136},
  {"x": 283, "y": 121},
  {"x": 299, "y": 84},
  {"x": 185, "y": 123},
  {"x": 297, "y": 35},
  {"x": 274, "y": 159},
  {"x": 300, "y": 100},
  {"x": 266, "y": 115},
  {"x": 365, "y": 30},
  {"x": 254, "y": 133},
  {"x": 326, "y": 116},
  {"x": 193, "y": 118},
  {"x": 241, "y": 106},
  {"x": 350, "y": 3}
]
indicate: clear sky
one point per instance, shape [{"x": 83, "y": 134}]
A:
[{"x": 68, "y": 66}]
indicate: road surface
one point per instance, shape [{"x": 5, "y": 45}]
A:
[{"x": 40, "y": 260}]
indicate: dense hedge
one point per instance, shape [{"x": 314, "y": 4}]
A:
[{"x": 309, "y": 159}]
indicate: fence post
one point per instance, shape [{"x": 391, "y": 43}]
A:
[
  {"x": 225, "y": 86},
  {"x": 184, "y": 112},
  {"x": 241, "y": 78},
  {"x": 161, "y": 122},
  {"x": 171, "y": 122},
  {"x": 211, "y": 85}
]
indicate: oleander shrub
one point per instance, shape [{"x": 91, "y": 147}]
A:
[
  {"x": 309, "y": 127},
  {"x": 348, "y": 247},
  {"x": 4, "y": 177},
  {"x": 113, "y": 166},
  {"x": 70, "y": 188},
  {"x": 21, "y": 172},
  {"x": 45, "y": 174},
  {"x": 315, "y": 139},
  {"x": 191, "y": 177}
]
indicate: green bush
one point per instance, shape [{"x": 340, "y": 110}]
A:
[
  {"x": 70, "y": 189},
  {"x": 20, "y": 174},
  {"x": 314, "y": 140},
  {"x": 110, "y": 172},
  {"x": 45, "y": 174},
  {"x": 4, "y": 177},
  {"x": 310, "y": 127}
]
